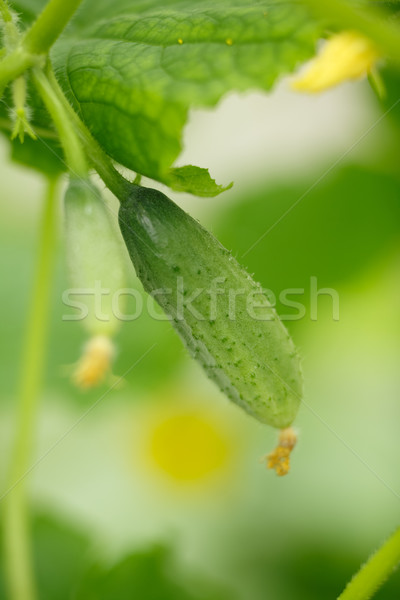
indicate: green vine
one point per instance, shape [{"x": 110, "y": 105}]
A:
[
  {"x": 49, "y": 25},
  {"x": 375, "y": 572},
  {"x": 19, "y": 568}
]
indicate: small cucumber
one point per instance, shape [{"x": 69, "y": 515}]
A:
[
  {"x": 94, "y": 255},
  {"x": 97, "y": 272},
  {"x": 221, "y": 313}
]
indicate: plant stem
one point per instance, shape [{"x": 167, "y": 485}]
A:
[
  {"x": 101, "y": 162},
  {"x": 31, "y": 50},
  {"x": 74, "y": 154},
  {"x": 5, "y": 11},
  {"x": 74, "y": 135},
  {"x": 17, "y": 59},
  {"x": 11, "y": 34},
  {"x": 49, "y": 25},
  {"x": 16, "y": 63},
  {"x": 375, "y": 572},
  {"x": 19, "y": 568}
]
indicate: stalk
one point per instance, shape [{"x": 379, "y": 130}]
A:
[
  {"x": 375, "y": 571},
  {"x": 19, "y": 563},
  {"x": 74, "y": 154},
  {"x": 118, "y": 185},
  {"x": 49, "y": 25},
  {"x": 15, "y": 64}
]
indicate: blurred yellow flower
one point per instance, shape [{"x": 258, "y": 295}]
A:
[
  {"x": 95, "y": 363},
  {"x": 279, "y": 459},
  {"x": 346, "y": 55},
  {"x": 183, "y": 441},
  {"x": 188, "y": 446}
]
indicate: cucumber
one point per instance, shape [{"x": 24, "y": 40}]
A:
[
  {"x": 94, "y": 256},
  {"x": 252, "y": 360}
]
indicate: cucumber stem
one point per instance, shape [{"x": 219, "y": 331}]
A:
[
  {"x": 375, "y": 571},
  {"x": 118, "y": 185},
  {"x": 19, "y": 567},
  {"x": 74, "y": 154},
  {"x": 49, "y": 25}
]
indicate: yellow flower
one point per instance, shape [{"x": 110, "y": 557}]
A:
[
  {"x": 95, "y": 363},
  {"x": 186, "y": 444},
  {"x": 347, "y": 55},
  {"x": 279, "y": 459}
]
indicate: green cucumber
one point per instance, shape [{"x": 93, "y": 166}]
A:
[
  {"x": 94, "y": 256},
  {"x": 252, "y": 360}
]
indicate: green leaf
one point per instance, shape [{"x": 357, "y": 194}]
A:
[
  {"x": 41, "y": 155},
  {"x": 134, "y": 70},
  {"x": 133, "y": 78},
  {"x": 195, "y": 181},
  {"x": 65, "y": 570},
  {"x": 144, "y": 575},
  {"x": 28, "y": 9},
  {"x": 101, "y": 9},
  {"x": 60, "y": 552},
  {"x": 63, "y": 547}
]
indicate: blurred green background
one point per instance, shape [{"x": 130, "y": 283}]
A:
[{"x": 158, "y": 493}]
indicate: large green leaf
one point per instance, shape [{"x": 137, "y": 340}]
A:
[
  {"x": 133, "y": 78},
  {"x": 133, "y": 70},
  {"x": 90, "y": 9}
]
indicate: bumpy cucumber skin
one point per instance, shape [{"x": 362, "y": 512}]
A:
[
  {"x": 254, "y": 362},
  {"x": 94, "y": 254}
]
